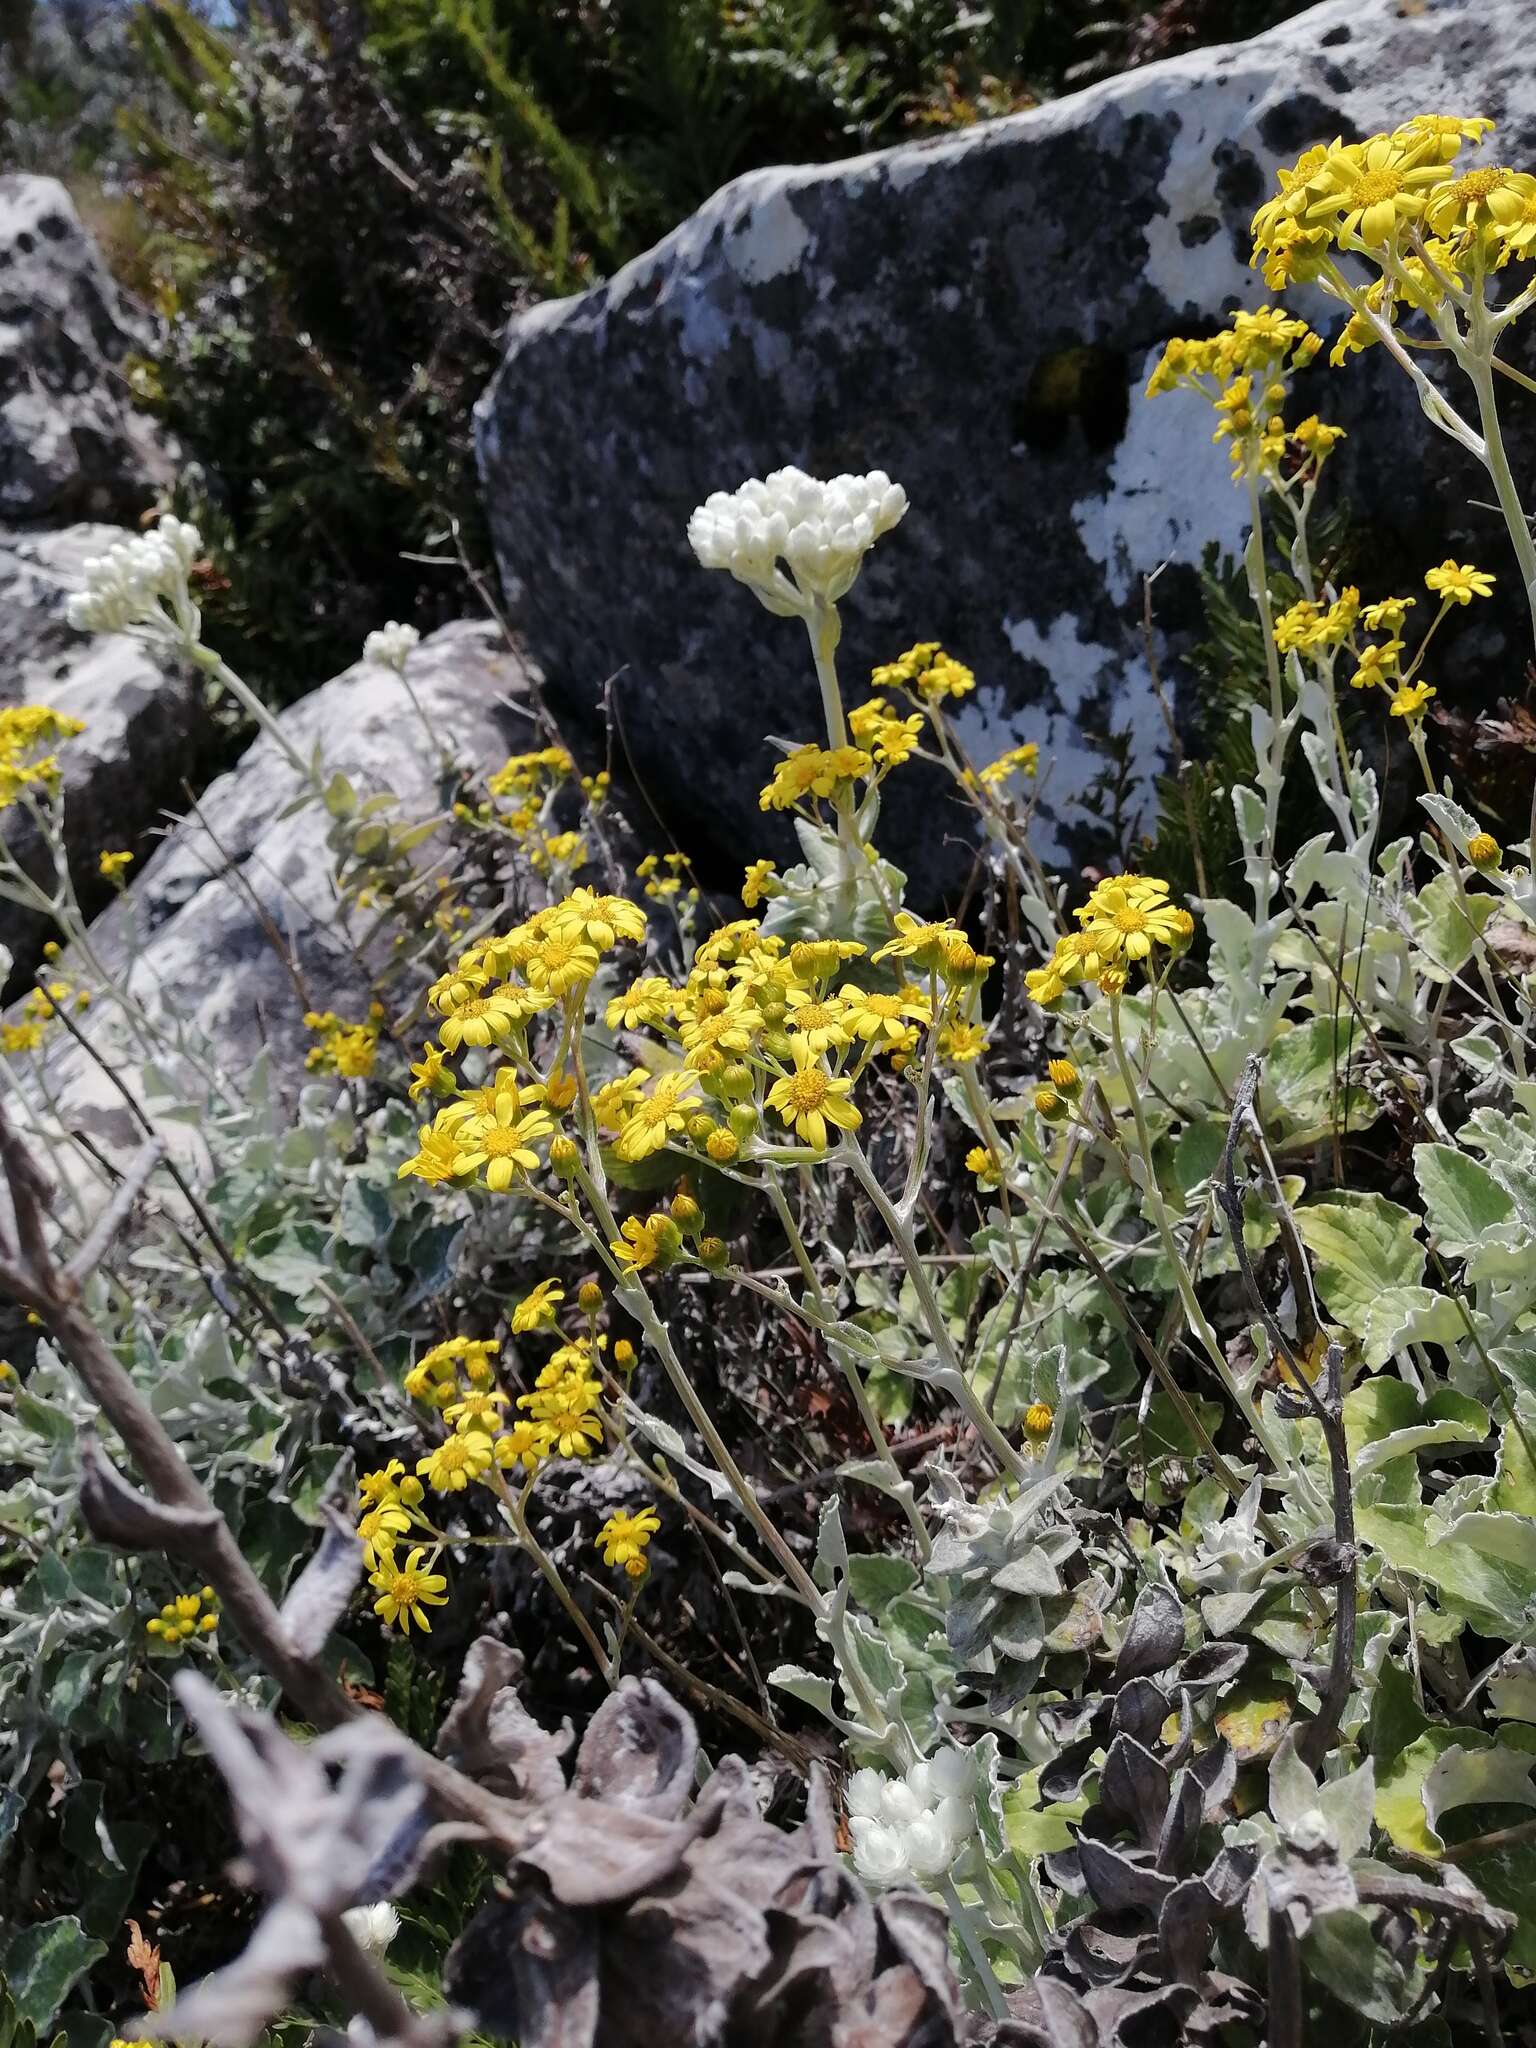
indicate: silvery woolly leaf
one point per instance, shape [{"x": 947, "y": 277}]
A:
[
  {"x": 490, "y": 1735},
  {"x": 1154, "y": 1637},
  {"x": 639, "y": 1751},
  {"x": 323, "y": 1591}
]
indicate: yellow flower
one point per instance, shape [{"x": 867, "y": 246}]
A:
[
  {"x": 1038, "y": 1418},
  {"x": 536, "y": 1310},
  {"x": 759, "y": 881},
  {"x": 1410, "y": 698},
  {"x": 484, "y": 1020},
  {"x": 1377, "y": 664},
  {"x": 1127, "y": 915},
  {"x": 818, "y": 1020},
  {"x": 477, "y": 1410},
  {"x": 406, "y": 1590},
  {"x": 382, "y": 1484},
  {"x": 1365, "y": 192},
  {"x": 435, "y": 1158},
  {"x": 647, "y": 1001},
  {"x": 597, "y": 921},
  {"x": 25, "y": 731},
  {"x": 656, "y": 1116},
  {"x": 962, "y": 1041},
  {"x": 1459, "y": 582},
  {"x": 1388, "y": 616},
  {"x": 501, "y": 1141},
  {"x": 523, "y": 1444},
  {"x": 622, "y": 1540},
  {"x": 638, "y": 1244},
  {"x": 810, "y": 1098},
  {"x": 450, "y": 1467},
  {"x": 380, "y": 1529},
  {"x": 985, "y": 1164},
  {"x": 113, "y": 864},
  {"x": 571, "y": 1433},
  {"x": 1490, "y": 196},
  {"x": 429, "y": 1075},
  {"x": 871, "y": 1015},
  {"x": 1483, "y": 850},
  {"x": 926, "y": 944},
  {"x": 563, "y": 962},
  {"x": 1063, "y": 1076}
]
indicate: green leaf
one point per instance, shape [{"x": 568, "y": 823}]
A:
[
  {"x": 1380, "y": 1424},
  {"x": 1401, "y": 1316},
  {"x": 1400, "y": 1791},
  {"x": 1343, "y": 1951},
  {"x": 1463, "y": 1200},
  {"x": 44, "y": 1962},
  {"x": 1494, "y": 1594},
  {"x": 1363, "y": 1245},
  {"x": 1034, "y": 1830}
]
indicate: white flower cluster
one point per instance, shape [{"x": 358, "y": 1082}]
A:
[
  {"x": 134, "y": 583},
  {"x": 372, "y": 1927},
  {"x": 389, "y": 646},
  {"x": 914, "y": 1826},
  {"x": 821, "y": 532}
]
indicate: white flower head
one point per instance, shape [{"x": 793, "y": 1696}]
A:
[
  {"x": 373, "y": 1927},
  {"x": 864, "y": 1794},
  {"x": 903, "y": 1802},
  {"x": 952, "y": 1774},
  {"x": 793, "y": 539},
  {"x": 879, "y": 1855},
  {"x": 389, "y": 646},
  {"x": 928, "y": 1846},
  {"x": 141, "y": 586}
]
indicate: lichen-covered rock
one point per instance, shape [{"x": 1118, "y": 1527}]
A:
[
  {"x": 147, "y": 733},
  {"x": 978, "y": 315},
  {"x": 229, "y": 934},
  {"x": 72, "y": 445}
]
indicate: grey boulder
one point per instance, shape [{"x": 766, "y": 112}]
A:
[
  {"x": 230, "y": 932},
  {"x": 72, "y": 445},
  {"x": 147, "y": 732},
  {"x": 978, "y": 315}
]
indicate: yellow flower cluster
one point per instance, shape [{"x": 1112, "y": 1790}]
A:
[
  {"x": 664, "y": 876},
  {"x": 811, "y": 772},
  {"x": 1398, "y": 199},
  {"x": 1242, "y": 371},
  {"x": 1124, "y": 920},
  {"x": 113, "y": 866},
  {"x": 925, "y": 672},
  {"x": 26, "y": 1032},
  {"x": 346, "y": 1049},
  {"x": 529, "y": 784},
  {"x": 188, "y": 1615},
  {"x": 1023, "y": 759},
  {"x": 28, "y": 735}
]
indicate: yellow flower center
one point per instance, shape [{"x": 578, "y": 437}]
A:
[
  {"x": 406, "y": 1590},
  {"x": 1376, "y": 186},
  {"x": 499, "y": 1143},
  {"x": 1130, "y": 919},
  {"x": 1475, "y": 185},
  {"x": 883, "y": 1006},
  {"x": 808, "y": 1091},
  {"x": 812, "y": 1016}
]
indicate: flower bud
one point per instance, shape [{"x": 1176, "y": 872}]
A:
[
  {"x": 686, "y": 1214},
  {"x": 1049, "y": 1104},
  {"x": 736, "y": 1081},
  {"x": 1063, "y": 1077},
  {"x": 1038, "y": 1418},
  {"x": 722, "y": 1147},
  {"x": 1483, "y": 850},
  {"x": 743, "y": 1120},
  {"x": 564, "y": 1155},
  {"x": 714, "y": 1253},
  {"x": 624, "y": 1355},
  {"x": 589, "y": 1297},
  {"x": 701, "y": 1128}
]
